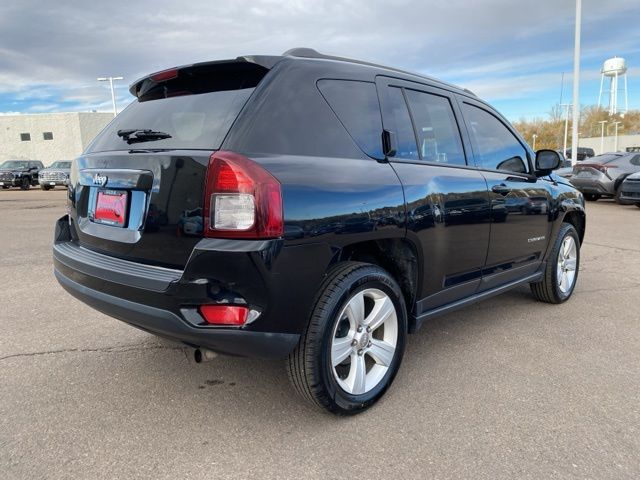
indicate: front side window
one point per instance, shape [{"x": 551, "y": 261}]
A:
[
  {"x": 496, "y": 148},
  {"x": 356, "y": 105},
  {"x": 436, "y": 128}
]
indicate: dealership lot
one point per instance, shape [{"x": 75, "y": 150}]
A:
[{"x": 509, "y": 388}]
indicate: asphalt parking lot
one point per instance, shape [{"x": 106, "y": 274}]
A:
[{"x": 510, "y": 388}]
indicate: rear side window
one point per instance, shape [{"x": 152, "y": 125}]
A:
[
  {"x": 406, "y": 140},
  {"x": 494, "y": 145},
  {"x": 436, "y": 128},
  {"x": 195, "y": 110},
  {"x": 356, "y": 105}
]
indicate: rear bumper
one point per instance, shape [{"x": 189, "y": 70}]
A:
[
  {"x": 593, "y": 186},
  {"x": 165, "y": 301},
  {"x": 169, "y": 325}
]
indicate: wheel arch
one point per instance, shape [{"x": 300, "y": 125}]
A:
[
  {"x": 397, "y": 256},
  {"x": 577, "y": 218}
]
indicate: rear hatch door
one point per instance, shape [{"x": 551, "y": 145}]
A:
[{"x": 137, "y": 192}]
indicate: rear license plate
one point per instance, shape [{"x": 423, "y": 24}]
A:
[
  {"x": 52, "y": 183},
  {"x": 584, "y": 173},
  {"x": 111, "y": 207}
]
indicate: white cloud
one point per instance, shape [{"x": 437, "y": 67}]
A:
[{"x": 52, "y": 51}]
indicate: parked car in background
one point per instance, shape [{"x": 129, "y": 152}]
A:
[
  {"x": 630, "y": 189},
  {"x": 565, "y": 172},
  {"x": 317, "y": 208},
  {"x": 602, "y": 176},
  {"x": 583, "y": 152},
  {"x": 566, "y": 169},
  {"x": 54, "y": 175},
  {"x": 20, "y": 173}
]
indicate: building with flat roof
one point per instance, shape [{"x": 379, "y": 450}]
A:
[
  {"x": 626, "y": 143},
  {"x": 49, "y": 136}
]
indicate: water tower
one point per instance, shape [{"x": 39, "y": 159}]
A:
[{"x": 614, "y": 69}]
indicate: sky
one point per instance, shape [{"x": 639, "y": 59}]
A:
[{"x": 510, "y": 53}]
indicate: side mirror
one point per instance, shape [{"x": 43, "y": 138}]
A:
[{"x": 546, "y": 161}]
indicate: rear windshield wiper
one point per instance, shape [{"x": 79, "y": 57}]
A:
[{"x": 137, "y": 135}]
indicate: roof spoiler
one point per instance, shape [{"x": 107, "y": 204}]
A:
[{"x": 264, "y": 61}]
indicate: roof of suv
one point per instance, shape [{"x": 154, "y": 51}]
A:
[
  {"x": 311, "y": 53},
  {"x": 269, "y": 61}
]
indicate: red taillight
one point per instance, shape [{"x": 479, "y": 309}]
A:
[
  {"x": 597, "y": 166},
  {"x": 224, "y": 314},
  {"x": 242, "y": 199},
  {"x": 165, "y": 75}
]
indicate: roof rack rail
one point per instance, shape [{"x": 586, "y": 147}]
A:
[{"x": 305, "y": 52}]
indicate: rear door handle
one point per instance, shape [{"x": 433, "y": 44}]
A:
[{"x": 502, "y": 189}]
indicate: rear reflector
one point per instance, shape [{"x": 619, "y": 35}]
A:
[
  {"x": 242, "y": 199},
  {"x": 224, "y": 314}
]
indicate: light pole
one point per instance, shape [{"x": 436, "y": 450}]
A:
[
  {"x": 615, "y": 148},
  {"x": 576, "y": 84},
  {"x": 602, "y": 122},
  {"x": 566, "y": 127},
  {"x": 535, "y": 135},
  {"x": 113, "y": 95}
]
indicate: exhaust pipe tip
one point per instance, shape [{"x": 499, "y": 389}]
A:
[{"x": 201, "y": 355}]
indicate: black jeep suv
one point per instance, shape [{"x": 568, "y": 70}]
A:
[
  {"x": 311, "y": 207},
  {"x": 20, "y": 173}
]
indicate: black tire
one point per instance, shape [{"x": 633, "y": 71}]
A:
[
  {"x": 6, "y": 187},
  {"x": 26, "y": 183},
  {"x": 45, "y": 187},
  {"x": 548, "y": 290},
  {"x": 638, "y": 205},
  {"x": 591, "y": 197},
  {"x": 309, "y": 365}
]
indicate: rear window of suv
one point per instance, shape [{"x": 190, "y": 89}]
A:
[
  {"x": 355, "y": 103},
  {"x": 196, "y": 109}
]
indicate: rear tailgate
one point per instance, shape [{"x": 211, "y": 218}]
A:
[
  {"x": 137, "y": 192},
  {"x": 588, "y": 171},
  {"x": 140, "y": 206}
]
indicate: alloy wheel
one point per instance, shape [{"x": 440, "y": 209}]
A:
[
  {"x": 364, "y": 340},
  {"x": 567, "y": 264}
]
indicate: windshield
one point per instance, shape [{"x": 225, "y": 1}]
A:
[
  {"x": 189, "y": 122},
  {"x": 195, "y": 110},
  {"x": 17, "y": 164},
  {"x": 60, "y": 165}
]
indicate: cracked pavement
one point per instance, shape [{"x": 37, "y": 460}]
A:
[{"x": 509, "y": 388}]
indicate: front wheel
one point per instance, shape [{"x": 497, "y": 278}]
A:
[
  {"x": 591, "y": 197},
  {"x": 26, "y": 183},
  {"x": 561, "y": 271},
  {"x": 354, "y": 342},
  {"x": 45, "y": 187}
]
